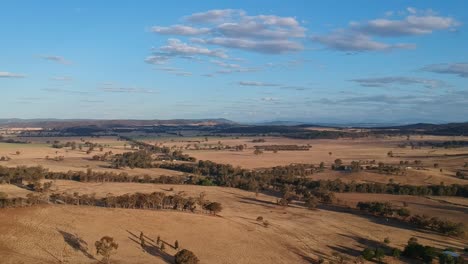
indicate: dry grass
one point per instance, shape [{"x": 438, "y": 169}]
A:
[{"x": 296, "y": 235}]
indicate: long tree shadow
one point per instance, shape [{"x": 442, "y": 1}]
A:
[
  {"x": 376, "y": 219},
  {"x": 151, "y": 248},
  {"x": 76, "y": 243}
]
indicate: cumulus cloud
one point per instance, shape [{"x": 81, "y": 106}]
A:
[
  {"x": 126, "y": 90},
  {"x": 235, "y": 29},
  {"x": 460, "y": 69},
  {"x": 114, "y": 88},
  {"x": 213, "y": 16},
  {"x": 262, "y": 46},
  {"x": 57, "y": 59},
  {"x": 258, "y": 84},
  {"x": 399, "y": 80},
  {"x": 180, "y": 30},
  {"x": 411, "y": 25},
  {"x": 226, "y": 65},
  {"x": 10, "y": 75},
  {"x": 351, "y": 41},
  {"x": 175, "y": 71},
  {"x": 359, "y": 35},
  {"x": 176, "y": 48}
]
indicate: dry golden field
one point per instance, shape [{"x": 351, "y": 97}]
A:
[
  {"x": 295, "y": 234},
  {"x": 45, "y": 234}
]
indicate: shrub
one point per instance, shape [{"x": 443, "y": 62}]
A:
[
  {"x": 386, "y": 240},
  {"x": 396, "y": 253},
  {"x": 368, "y": 254},
  {"x": 214, "y": 207},
  {"x": 186, "y": 257},
  {"x": 105, "y": 247}
]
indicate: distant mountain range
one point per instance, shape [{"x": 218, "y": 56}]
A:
[
  {"x": 449, "y": 128},
  {"x": 67, "y": 123}
]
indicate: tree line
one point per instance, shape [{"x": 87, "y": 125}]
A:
[
  {"x": 292, "y": 176},
  {"x": 386, "y": 209}
]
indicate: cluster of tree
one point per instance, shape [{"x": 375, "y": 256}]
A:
[
  {"x": 283, "y": 148},
  {"x": 137, "y": 159},
  {"x": 104, "y": 157},
  {"x": 57, "y": 144},
  {"x": 16, "y": 175},
  {"x": 414, "y": 250},
  {"x": 436, "y": 144},
  {"x": 167, "y": 153},
  {"x": 437, "y": 225},
  {"x": 154, "y": 201},
  {"x": 297, "y": 132},
  {"x": 31, "y": 199},
  {"x": 278, "y": 177},
  {"x": 259, "y": 140},
  {"x": 5, "y": 158},
  {"x": 217, "y": 146},
  {"x": 12, "y": 141},
  {"x": 386, "y": 209},
  {"x": 56, "y": 158},
  {"x": 461, "y": 175},
  {"x": 355, "y": 166}
]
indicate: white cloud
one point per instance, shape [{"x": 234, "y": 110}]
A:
[
  {"x": 180, "y": 30},
  {"x": 235, "y": 29},
  {"x": 176, "y": 47},
  {"x": 10, "y": 75},
  {"x": 411, "y": 25},
  {"x": 126, "y": 90},
  {"x": 57, "y": 59},
  {"x": 460, "y": 69},
  {"x": 352, "y": 41},
  {"x": 359, "y": 35},
  {"x": 213, "y": 16},
  {"x": 262, "y": 46},
  {"x": 258, "y": 84},
  {"x": 399, "y": 80}
]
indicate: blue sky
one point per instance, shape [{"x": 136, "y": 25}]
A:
[{"x": 327, "y": 61}]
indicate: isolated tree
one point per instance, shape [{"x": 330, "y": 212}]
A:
[
  {"x": 214, "y": 207},
  {"x": 379, "y": 254},
  {"x": 338, "y": 162},
  {"x": 163, "y": 246},
  {"x": 105, "y": 247},
  {"x": 322, "y": 165},
  {"x": 18, "y": 152},
  {"x": 142, "y": 239},
  {"x": 311, "y": 202},
  {"x": 368, "y": 254},
  {"x": 260, "y": 219},
  {"x": 176, "y": 244},
  {"x": 158, "y": 240},
  {"x": 258, "y": 152},
  {"x": 185, "y": 257}
]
